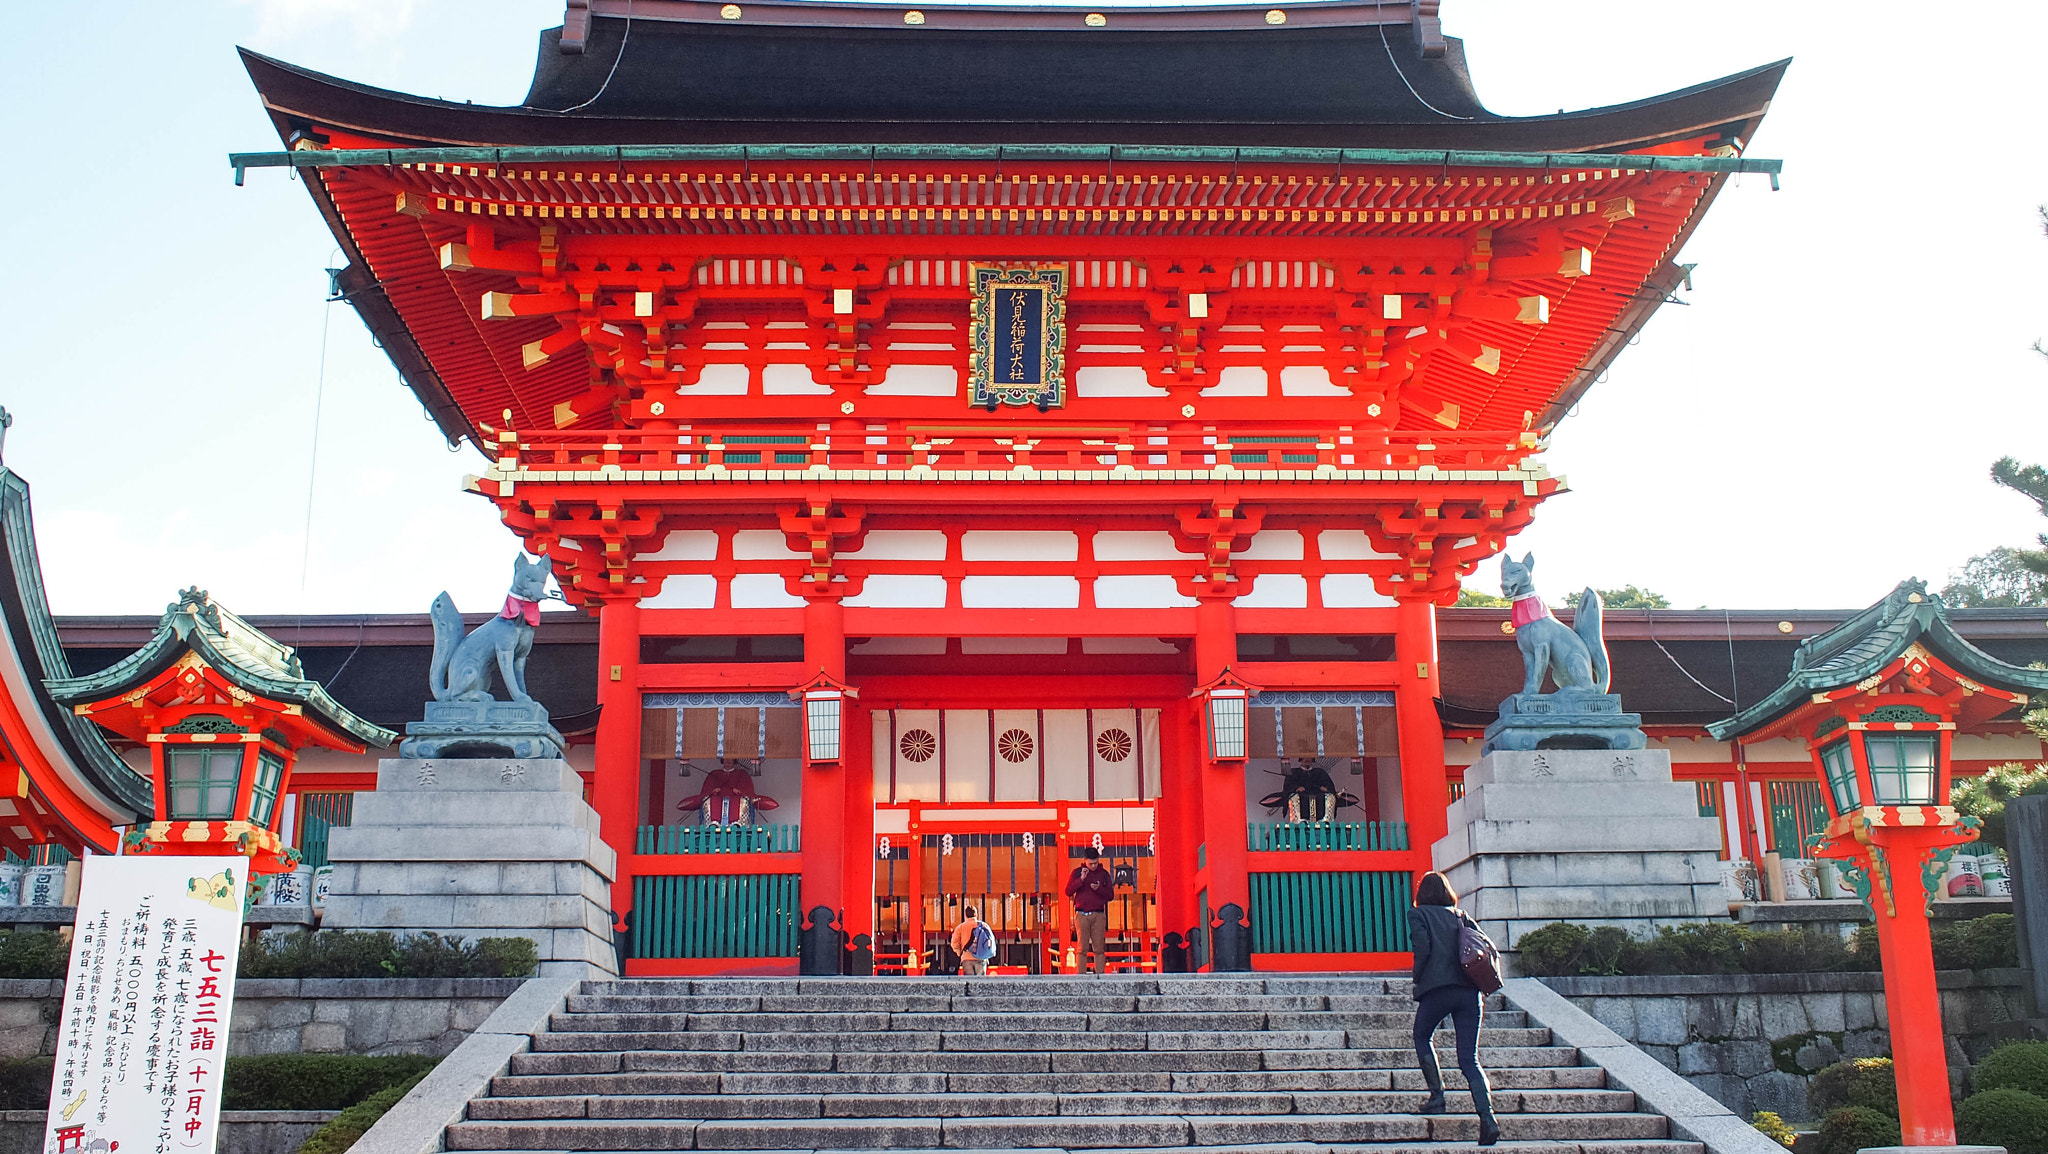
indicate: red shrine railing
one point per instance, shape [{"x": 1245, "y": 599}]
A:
[{"x": 903, "y": 445}]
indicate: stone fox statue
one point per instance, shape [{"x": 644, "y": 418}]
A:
[
  {"x": 462, "y": 665},
  {"x": 1575, "y": 657}
]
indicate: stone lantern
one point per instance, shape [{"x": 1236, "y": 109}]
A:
[{"x": 1877, "y": 701}]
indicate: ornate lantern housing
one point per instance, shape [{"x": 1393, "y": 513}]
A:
[
  {"x": 1226, "y": 712},
  {"x": 824, "y": 698},
  {"x": 1878, "y": 701},
  {"x": 224, "y": 711}
]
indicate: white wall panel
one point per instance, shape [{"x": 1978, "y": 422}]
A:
[
  {"x": 1066, "y": 755},
  {"x": 686, "y": 545},
  {"x": 684, "y": 591},
  {"x": 1120, "y": 545},
  {"x": 1021, "y": 592},
  {"x": 917, "y": 381},
  {"x": 790, "y": 381},
  {"x": 1309, "y": 381},
  {"x": 1352, "y": 591},
  {"x": 901, "y": 591},
  {"x": 762, "y": 545},
  {"x": 1114, "y": 381},
  {"x": 967, "y": 755},
  {"x": 761, "y": 591},
  {"x": 1051, "y": 645},
  {"x": 1016, "y": 780},
  {"x": 1276, "y": 591},
  {"x": 1238, "y": 381},
  {"x": 1034, "y": 545},
  {"x": 718, "y": 381},
  {"x": 1273, "y": 545},
  {"x": 1139, "y": 591},
  {"x": 901, "y": 545},
  {"x": 1347, "y": 545}
]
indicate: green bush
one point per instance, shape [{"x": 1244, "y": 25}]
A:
[
  {"x": 1802, "y": 951},
  {"x": 314, "y": 1081},
  {"x": 1551, "y": 951},
  {"x": 34, "y": 954},
  {"x": 356, "y": 954},
  {"x": 1697, "y": 948},
  {"x": 2014, "y": 1066},
  {"x": 1863, "y": 949},
  {"x": 1853, "y": 1128},
  {"x": 1984, "y": 943},
  {"x": 341, "y": 1132},
  {"x": 1865, "y": 1083},
  {"x": 1608, "y": 950},
  {"x": 25, "y": 1083},
  {"x": 2005, "y": 1117},
  {"x": 1770, "y": 1125}
]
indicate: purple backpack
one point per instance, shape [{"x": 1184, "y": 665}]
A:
[{"x": 1478, "y": 957}]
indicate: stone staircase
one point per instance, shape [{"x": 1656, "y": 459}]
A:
[{"x": 1283, "y": 1064}]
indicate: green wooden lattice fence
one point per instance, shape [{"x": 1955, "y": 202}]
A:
[
  {"x": 319, "y": 813},
  {"x": 703, "y": 916},
  {"x": 701, "y": 839},
  {"x": 1269, "y": 836},
  {"x": 1331, "y": 913}
]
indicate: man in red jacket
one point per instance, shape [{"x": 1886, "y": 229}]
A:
[{"x": 1091, "y": 887}]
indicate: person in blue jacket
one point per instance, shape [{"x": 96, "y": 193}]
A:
[{"x": 1443, "y": 991}]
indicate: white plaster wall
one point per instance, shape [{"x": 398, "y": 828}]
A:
[
  {"x": 1139, "y": 591},
  {"x": 1309, "y": 381},
  {"x": 1353, "y": 591},
  {"x": 1053, "y": 645},
  {"x": 917, "y": 381},
  {"x": 1020, "y": 592},
  {"x": 1273, "y": 545},
  {"x": 1996, "y": 747},
  {"x": 1120, "y": 545},
  {"x": 1238, "y": 381},
  {"x": 1147, "y": 645},
  {"x": 761, "y": 591},
  {"x": 901, "y": 591},
  {"x": 1347, "y": 545},
  {"x": 1276, "y": 591},
  {"x": 1460, "y": 751},
  {"x": 686, "y": 545},
  {"x": 762, "y": 545},
  {"x": 901, "y": 545},
  {"x": 1779, "y": 749},
  {"x": 718, "y": 381},
  {"x": 790, "y": 380},
  {"x": 1684, "y": 750},
  {"x": 684, "y": 591},
  {"x": 982, "y": 545},
  {"x": 1114, "y": 381}
]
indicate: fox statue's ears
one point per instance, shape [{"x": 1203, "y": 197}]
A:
[{"x": 1528, "y": 560}]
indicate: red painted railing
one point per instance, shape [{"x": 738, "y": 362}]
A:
[{"x": 899, "y": 445}]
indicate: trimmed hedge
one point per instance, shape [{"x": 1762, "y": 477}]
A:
[
  {"x": 34, "y": 954},
  {"x": 1853, "y": 1128},
  {"x": 343, "y": 1129},
  {"x": 314, "y": 1081},
  {"x": 358, "y": 954},
  {"x": 2007, "y": 1117},
  {"x": 1563, "y": 949},
  {"x": 264, "y": 1082},
  {"x": 2014, "y": 1066}
]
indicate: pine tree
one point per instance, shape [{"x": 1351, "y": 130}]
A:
[{"x": 2030, "y": 481}]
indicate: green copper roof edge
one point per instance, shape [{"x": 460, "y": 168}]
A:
[
  {"x": 1336, "y": 157},
  {"x": 117, "y": 781},
  {"x": 162, "y": 649},
  {"x": 1925, "y": 621}
]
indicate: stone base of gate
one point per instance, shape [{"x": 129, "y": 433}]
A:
[{"x": 478, "y": 847}]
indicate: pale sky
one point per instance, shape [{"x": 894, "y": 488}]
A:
[{"x": 1814, "y": 426}]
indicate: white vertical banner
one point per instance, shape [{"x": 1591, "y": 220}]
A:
[{"x": 143, "y": 1042}]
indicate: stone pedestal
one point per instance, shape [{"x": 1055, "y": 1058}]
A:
[
  {"x": 482, "y": 729},
  {"x": 1597, "y": 837},
  {"x": 1567, "y": 719},
  {"x": 479, "y": 847}
]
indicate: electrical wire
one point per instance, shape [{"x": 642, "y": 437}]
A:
[
  {"x": 313, "y": 463},
  {"x": 1650, "y": 616},
  {"x": 624, "y": 38},
  {"x": 1404, "y": 80}
]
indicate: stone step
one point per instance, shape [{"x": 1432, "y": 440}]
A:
[
  {"x": 1022, "y": 1041},
  {"x": 1033, "y": 986},
  {"x": 940, "y": 1102},
  {"x": 975, "y": 1001},
  {"x": 1576, "y": 1084},
  {"x": 1616, "y": 1146},
  {"x": 954, "y": 1020},
  {"x": 1009, "y": 1132}
]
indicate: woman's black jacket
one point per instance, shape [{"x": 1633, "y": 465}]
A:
[{"x": 1433, "y": 930}]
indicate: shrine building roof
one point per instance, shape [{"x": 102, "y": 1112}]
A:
[
  {"x": 1865, "y": 645},
  {"x": 1328, "y": 73},
  {"x": 72, "y": 788},
  {"x": 237, "y": 651}
]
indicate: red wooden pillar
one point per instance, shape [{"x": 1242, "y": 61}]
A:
[
  {"x": 824, "y": 785},
  {"x": 1912, "y": 1004},
  {"x": 1223, "y": 804},
  {"x": 1425, "y": 792},
  {"x": 615, "y": 790},
  {"x": 857, "y": 842},
  {"x": 1177, "y": 820}
]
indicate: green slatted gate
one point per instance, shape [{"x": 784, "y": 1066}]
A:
[
  {"x": 712, "y": 916},
  {"x": 318, "y": 813},
  {"x": 1357, "y": 912}
]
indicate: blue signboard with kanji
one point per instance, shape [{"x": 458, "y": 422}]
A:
[{"x": 1019, "y": 336}]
